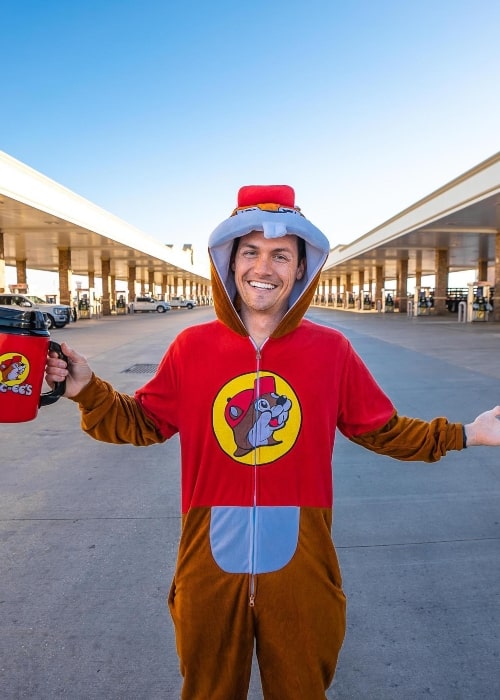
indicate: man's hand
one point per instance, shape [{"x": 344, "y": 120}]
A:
[
  {"x": 485, "y": 429},
  {"x": 76, "y": 372}
]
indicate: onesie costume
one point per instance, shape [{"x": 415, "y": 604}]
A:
[{"x": 256, "y": 561}]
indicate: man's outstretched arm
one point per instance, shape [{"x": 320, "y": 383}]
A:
[
  {"x": 106, "y": 414},
  {"x": 413, "y": 439}
]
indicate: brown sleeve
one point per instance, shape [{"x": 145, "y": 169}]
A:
[
  {"x": 110, "y": 416},
  {"x": 412, "y": 439}
]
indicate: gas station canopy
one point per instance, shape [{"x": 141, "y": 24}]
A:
[
  {"x": 39, "y": 217},
  {"x": 462, "y": 217}
]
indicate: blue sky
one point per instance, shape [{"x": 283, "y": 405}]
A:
[{"x": 159, "y": 111}]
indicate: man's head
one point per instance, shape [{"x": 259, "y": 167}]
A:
[
  {"x": 266, "y": 270},
  {"x": 267, "y": 216}
]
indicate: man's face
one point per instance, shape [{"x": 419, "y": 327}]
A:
[{"x": 265, "y": 271}]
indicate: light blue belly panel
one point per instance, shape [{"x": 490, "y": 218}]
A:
[{"x": 253, "y": 540}]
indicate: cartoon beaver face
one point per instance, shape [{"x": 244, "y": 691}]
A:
[
  {"x": 12, "y": 369},
  {"x": 254, "y": 419}
]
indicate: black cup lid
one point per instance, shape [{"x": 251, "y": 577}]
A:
[{"x": 27, "y": 321}]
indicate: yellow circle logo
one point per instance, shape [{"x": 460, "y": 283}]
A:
[
  {"x": 256, "y": 418},
  {"x": 14, "y": 368}
]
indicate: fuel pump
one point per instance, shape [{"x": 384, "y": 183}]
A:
[
  {"x": 83, "y": 301},
  {"x": 422, "y": 301},
  {"x": 367, "y": 301},
  {"x": 121, "y": 302},
  {"x": 387, "y": 300},
  {"x": 478, "y": 301}
]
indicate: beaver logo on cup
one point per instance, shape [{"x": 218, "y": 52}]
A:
[{"x": 14, "y": 371}]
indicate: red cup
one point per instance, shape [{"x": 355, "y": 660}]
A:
[{"x": 24, "y": 344}]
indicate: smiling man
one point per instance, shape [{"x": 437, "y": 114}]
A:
[
  {"x": 265, "y": 272},
  {"x": 256, "y": 397}
]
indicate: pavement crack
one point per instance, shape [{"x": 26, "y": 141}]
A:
[
  {"x": 417, "y": 543},
  {"x": 77, "y": 519}
]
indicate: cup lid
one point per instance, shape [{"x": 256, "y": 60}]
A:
[{"x": 24, "y": 320}]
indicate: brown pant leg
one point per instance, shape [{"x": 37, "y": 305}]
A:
[
  {"x": 300, "y": 614},
  {"x": 213, "y": 620}
]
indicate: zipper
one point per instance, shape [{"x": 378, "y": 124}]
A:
[
  {"x": 251, "y": 584},
  {"x": 253, "y": 541}
]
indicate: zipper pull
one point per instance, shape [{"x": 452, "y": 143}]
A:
[{"x": 251, "y": 602}]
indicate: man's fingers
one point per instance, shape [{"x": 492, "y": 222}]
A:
[{"x": 72, "y": 355}]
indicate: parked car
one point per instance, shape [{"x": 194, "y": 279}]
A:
[
  {"x": 182, "y": 303},
  {"x": 58, "y": 315},
  {"x": 149, "y": 304}
]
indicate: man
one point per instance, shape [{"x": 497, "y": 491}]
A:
[{"x": 256, "y": 397}]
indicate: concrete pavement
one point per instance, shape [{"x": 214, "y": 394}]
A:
[
  {"x": 419, "y": 544},
  {"x": 88, "y": 531}
]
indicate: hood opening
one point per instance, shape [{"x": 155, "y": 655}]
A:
[{"x": 274, "y": 221}]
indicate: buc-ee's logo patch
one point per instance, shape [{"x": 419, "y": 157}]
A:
[
  {"x": 14, "y": 370},
  {"x": 256, "y": 418}
]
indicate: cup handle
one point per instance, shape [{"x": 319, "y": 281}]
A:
[{"x": 60, "y": 387}]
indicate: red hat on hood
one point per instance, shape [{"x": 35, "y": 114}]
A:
[{"x": 253, "y": 195}]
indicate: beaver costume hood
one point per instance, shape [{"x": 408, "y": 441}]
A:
[{"x": 270, "y": 209}]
